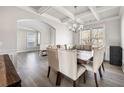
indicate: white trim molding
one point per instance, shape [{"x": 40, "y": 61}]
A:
[
  {"x": 93, "y": 10},
  {"x": 7, "y": 51}
]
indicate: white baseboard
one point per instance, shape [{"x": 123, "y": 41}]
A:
[
  {"x": 20, "y": 51},
  {"x": 13, "y": 51},
  {"x": 7, "y": 51}
]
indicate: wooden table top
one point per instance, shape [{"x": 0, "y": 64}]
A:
[
  {"x": 85, "y": 55},
  {"x": 8, "y": 74}
]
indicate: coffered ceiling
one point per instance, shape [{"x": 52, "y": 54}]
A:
[{"x": 84, "y": 14}]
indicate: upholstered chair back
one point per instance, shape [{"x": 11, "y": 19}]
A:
[
  {"x": 62, "y": 46},
  {"x": 98, "y": 57},
  {"x": 68, "y": 63},
  {"x": 58, "y": 46},
  {"x": 53, "y": 58},
  {"x": 78, "y": 47}
]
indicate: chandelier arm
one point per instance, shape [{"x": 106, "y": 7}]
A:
[{"x": 76, "y": 27}]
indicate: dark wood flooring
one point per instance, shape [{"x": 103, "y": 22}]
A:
[{"x": 33, "y": 68}]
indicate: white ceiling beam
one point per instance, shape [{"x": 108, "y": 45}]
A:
[
  {"x": 93, "y": 11},
  {"x": 111, "y": 18},
  {"x": 104, "y": 20},
  {"x": 99, "y": 10},
  {"x": 51, "y": 17},
  {"x": 88, "y": 13},
  {"x": 29, "y": 9},
  {"x": 64, "y": 11},
  {"x": 42, "y": 13},
  {"x": 106, "y": 8},
  {"x": 41, "y": 10},
  {"x": 25, "y": 28},
  {"x": 79, "y": 16}
]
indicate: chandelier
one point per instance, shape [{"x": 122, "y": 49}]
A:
[{"x": 76, "y": 26}]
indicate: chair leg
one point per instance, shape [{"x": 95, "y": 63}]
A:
[
  {"x": 74, "y": 83},
  {"x": 100, "y": 73},
  {"x": 95, "y": 77},
  {"x": 85, "y": 77},
  {"x": 103, "y": 67},
  {"x": 48, "y": 71},
  {"x": 58, "y": 80}
]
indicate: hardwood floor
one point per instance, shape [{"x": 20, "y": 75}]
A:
[{"x": 33, "y": 69}]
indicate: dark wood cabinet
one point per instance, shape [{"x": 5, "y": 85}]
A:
[{"x": 116, "y": 55}]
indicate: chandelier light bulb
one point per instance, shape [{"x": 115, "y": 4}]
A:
[{"x": 76, "y": 27}]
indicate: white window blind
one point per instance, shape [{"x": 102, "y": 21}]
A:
[{"x": 31, "y": 39}]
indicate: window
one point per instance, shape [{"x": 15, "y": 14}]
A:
[
  {"x": 98, "y": 36},
  {"x": 93, "y": 36},
  {"x": 38, "y": 38},
  {"x": 85, "y": 36},
  {"x": 31, "y": 39}
]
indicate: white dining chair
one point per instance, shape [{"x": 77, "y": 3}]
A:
[
  {"x": 68, "y": 65},
  {"x": 53, "y": 63},
  {"x": 95, "y": 65}
]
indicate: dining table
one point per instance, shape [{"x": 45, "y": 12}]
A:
[
  {"x": 8, "y": 74},
  {"x": 83, "y": 56}
]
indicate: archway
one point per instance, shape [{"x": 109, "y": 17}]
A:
[{"x": 32, "y": 28}]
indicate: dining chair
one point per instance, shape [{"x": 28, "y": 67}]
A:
[
  {"x": 69, "y": 66},
  {"x": 104, "y": 60},
  {"x": 58, "y": 46},
  {"x": 95, "y": 65},
  {"x": 63, "y": 47},
  {"x": 66, "y": 47},
  {"x": 53, "y": 63}
]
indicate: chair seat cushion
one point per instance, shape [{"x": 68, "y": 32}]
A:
[{"x": 80, "y": 70}]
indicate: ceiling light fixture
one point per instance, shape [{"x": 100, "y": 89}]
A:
[{"x": 76, "y": 26}]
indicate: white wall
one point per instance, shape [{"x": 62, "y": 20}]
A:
[
  {"x": 122, "y": 36},
  {"x": 8, "y": 30},
  {"x": 63, "y": 35},
  {"x": 113, "y": 35},
  {"x": 21, "y": 40},
  {"x": 76, "y": 38},
  {"x": 45, "y": 38},
  {"x": 52, "y": 36}
]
